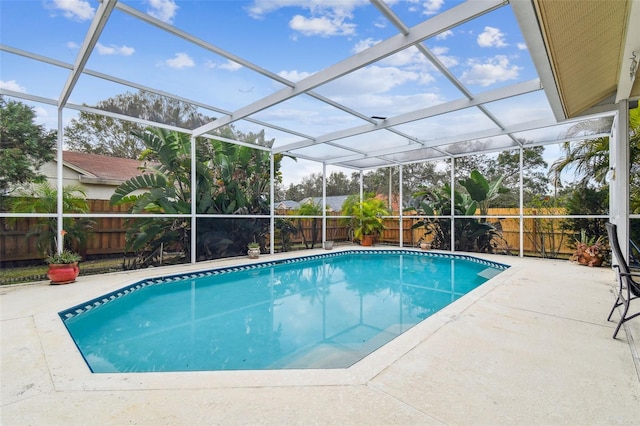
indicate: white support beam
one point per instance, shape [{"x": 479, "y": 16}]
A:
[
  {"x": 441, "y": 22},
  {"x": 444, "y": 108},
  {"x": 97, "y": 25},
  {"x": 619, "y": 176}
]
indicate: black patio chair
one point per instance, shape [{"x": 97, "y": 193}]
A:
[
  {"x": 628, "y": 289},
  {"x": 634, "y": 255}
]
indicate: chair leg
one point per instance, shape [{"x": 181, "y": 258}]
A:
[
  {"x": 619, "y": 300},
  {"x": 622, "y": 318}
]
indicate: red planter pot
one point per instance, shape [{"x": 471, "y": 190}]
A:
[
  {"x": 63, "y": 273},
  {"x": 367, "y": 240}
]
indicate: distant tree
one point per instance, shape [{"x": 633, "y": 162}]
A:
[
  {"x": 99, "y": 134},
  {"x": 24, "y": 146},
  {"x": 311, "y": 186},
  {"x": 534, "y": 177},
  {"x": 418, "y": 175},
  {"x": 339, "y": 184}
]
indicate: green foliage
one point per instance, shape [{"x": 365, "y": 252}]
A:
[
  {"x": 475, "y": 235},
  {"x": 366, "y": 215},
  {"x": 65, "y": 257},
  {"x": 43, "y": 198},
  {"x": 99, "y": 134},
  {"x": 230, "y": 179},
  {"x": 310, "y": 209},
  {"x": 25, "y": 146},
  {"x": 284, "y": 229},
  {"x": 587, "y": 200},
  {"x": 482, "y": 191}
]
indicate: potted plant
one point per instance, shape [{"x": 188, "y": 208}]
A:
[
  {"x": 254, "y": 250},
  {"x": 367, "y": 218},
  {"x": 589, "y": 251},
  {"x": 63, "y": 267}
]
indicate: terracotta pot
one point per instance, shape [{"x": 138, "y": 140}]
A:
[
  {"x": 63, "y": 273},
  {"x": 367, "y": 240},
  {"x": 425, "y": 246}
]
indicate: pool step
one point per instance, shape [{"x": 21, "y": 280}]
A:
[
  {"x": 343, "y": 351},
  {"x": 489, "y": 273}
]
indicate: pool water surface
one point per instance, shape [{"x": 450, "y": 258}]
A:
[{"x": 324, "y": 311}]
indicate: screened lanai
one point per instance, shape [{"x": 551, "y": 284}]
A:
[{"x": 354, "y": 85}]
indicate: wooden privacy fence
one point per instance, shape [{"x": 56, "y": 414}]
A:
[
  {"x": 108, "y": 234},
  {"x": 107, "y": 237}
]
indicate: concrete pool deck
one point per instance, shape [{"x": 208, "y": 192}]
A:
[{"x": 530, "y": 346}]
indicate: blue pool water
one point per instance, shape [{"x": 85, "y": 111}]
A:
[{"x": 325, "y": 311}]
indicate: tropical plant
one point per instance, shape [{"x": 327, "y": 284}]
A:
[
  {"x": 309, "y": 208},
  {"x": 63, "y": 258},
  {"x": 43, "y": 198},
  {"x": 367, "y": 216},
  {"x": 230, "y": 179},
  {"x": 590, "y": 157},
  {"x": 482, "y": 191},
  {"x": 470, "y": 234},
  {"x": 284, "y": 229}
]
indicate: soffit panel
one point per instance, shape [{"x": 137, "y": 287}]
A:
[{"x": 584, "y": 41}]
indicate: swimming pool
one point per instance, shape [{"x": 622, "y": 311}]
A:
[{"x": 323, "y": 311}]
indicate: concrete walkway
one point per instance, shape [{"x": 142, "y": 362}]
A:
[{"x": 530, "y": 347}]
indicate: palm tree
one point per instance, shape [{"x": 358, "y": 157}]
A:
[
  {"x": 43, "y": 198},
  {"x": 310, "y": 208},
  {"x": 590, "y": 158}
]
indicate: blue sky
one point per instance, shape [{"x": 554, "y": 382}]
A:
[{"x": 290, "y": 38}]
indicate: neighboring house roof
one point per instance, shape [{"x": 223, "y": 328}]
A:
[
  {"x": 288, "y": 204},
  {"x": 334, "y": 202},
  {"x": 101, "y": 169}
]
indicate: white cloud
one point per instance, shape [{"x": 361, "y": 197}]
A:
[
  {"x": 294, "y": 75},
  {"x": 78, "y": 10},
  {"x": 492, "y": 71},
  {"x": 364, "y": 44},
  {"x": 431, "y": 7},
  {"x": 371, "y": 79},
  {"x": 325, "y": 18},
  {"x": 12, "y": 85},
  {"x": 444, "y": 35},
  {"x": 230, "y": 66},
  {"x": 260, "y": 8},
  {"x": 181, "y": 60},
  {"x": 491, "y": 37},
  {"x": 42, "y": 115},
  {"x": 441, "y": 54},
  {"x": 73, "y": 45},
  {"x": 522, "y": 46},
  {"x": 164, "y": 10},
  {"x": 324, "y": 26},
  {"x": 114, "y": 50}
]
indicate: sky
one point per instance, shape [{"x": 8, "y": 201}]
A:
[{"x": 291, "y": 39}]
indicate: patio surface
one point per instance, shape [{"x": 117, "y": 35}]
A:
[{"x": 530, "y": 347}]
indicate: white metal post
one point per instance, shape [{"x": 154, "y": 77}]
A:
[
  {"x": 194, "y": 191},
  {"x": 618, "y": 176},
  {"x": 324, "y": 204},
  {"x": 59, "y": 183},
  {"x": 272, "y": 223}
]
